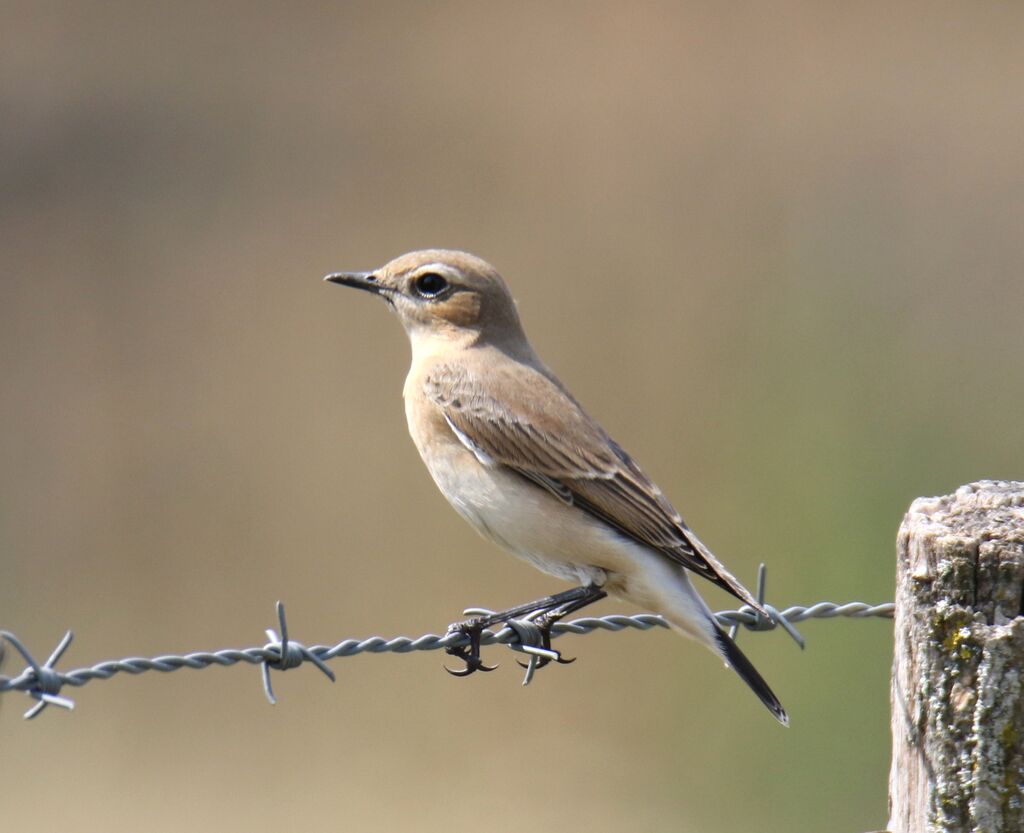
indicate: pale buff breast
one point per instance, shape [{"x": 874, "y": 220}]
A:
[{"x": 505, "y": 508}]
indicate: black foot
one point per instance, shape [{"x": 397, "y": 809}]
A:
[
  {"x": 469, "y": 654},
  {"x": 543, "y": 624},
  {"x": 541, "y": 616}
]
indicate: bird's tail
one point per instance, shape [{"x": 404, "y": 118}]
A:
[{"x": 742, "y": 666}]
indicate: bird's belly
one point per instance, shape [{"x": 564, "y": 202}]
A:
[{"x": 529, "y": 521}]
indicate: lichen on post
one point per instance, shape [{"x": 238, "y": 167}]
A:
[{"x": 958, "y": 670}]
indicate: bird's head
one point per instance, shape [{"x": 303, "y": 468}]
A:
[{"x": 443, "y": 295}]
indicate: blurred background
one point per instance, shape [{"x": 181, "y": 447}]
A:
[{"x": 775, "y": 249}]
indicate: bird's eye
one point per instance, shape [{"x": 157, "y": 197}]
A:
[{"x": 429, "y": 285}]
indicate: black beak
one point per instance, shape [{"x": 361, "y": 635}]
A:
[{"x": 360, "y": 280}]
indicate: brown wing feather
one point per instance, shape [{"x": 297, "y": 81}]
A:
[{"x": 537, "y": 429}]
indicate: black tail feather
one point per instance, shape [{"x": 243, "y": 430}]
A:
[{"x": 742, "y": 666}]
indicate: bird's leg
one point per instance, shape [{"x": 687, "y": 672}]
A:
[{"x": 554, "y": 608}]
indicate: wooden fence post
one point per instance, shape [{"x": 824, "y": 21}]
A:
[{"x": 958, "y": 670}]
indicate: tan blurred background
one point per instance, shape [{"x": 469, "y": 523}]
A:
[{"x": 776, "y": 250}]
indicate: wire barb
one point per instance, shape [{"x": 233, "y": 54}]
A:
[
  {"x": 40, "y": 682},
  {"x": 289, "y": 654},
  {"x": 762, "y": 623}
]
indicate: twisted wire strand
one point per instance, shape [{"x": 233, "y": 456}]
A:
[{"x": 43, "y": 683}]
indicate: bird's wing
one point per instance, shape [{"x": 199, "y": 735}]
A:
[{"x": 518, "y": 417}]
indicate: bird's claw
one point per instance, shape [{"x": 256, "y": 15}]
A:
[
  {"x": 472, "y": 664},
  {"x": 544, "y": 624},
  {"x": 469, "y": 654}
]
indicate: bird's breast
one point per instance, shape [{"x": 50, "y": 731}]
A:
[{"x": 471, "y": 487}]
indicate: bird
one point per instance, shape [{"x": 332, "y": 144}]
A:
[{"x": 519, "y": 458}]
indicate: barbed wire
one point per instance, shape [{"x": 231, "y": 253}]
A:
[{"x": 44, "y": 684}]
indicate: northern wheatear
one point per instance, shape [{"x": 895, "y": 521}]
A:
[{"x": 516, "y": 455}]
